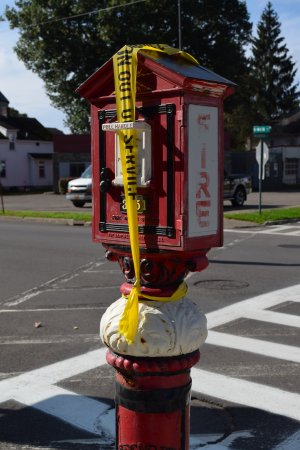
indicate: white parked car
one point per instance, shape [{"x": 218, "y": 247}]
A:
[{"x": 80, "y": 190}]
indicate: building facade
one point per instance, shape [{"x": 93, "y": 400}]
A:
[
  {"x": 26, "y": 151},
  {"x": 282, "y": 170},
  {"x": 72, "y": 155}
]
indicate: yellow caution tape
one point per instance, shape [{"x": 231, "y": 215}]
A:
[
  {"x": 129, "y": 320},
  {"x": 125, "y": 70}
]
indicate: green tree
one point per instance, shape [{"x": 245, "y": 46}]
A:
[
  {"x": 12, "y": 112},
  {"x": 274, "y": 91},
  {"x": 64, "y": 45}
]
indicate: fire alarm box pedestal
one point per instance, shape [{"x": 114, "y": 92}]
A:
[{"x": 179, "y": 127}]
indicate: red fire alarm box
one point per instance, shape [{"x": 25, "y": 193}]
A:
[{"x": 179, "y": 125}]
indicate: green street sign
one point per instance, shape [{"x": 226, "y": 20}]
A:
[{"x": 261, "y": 129}]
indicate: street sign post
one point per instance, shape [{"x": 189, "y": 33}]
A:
[
  {"x": 262, "y": 154},
  {"x": 265, "y": 157}
]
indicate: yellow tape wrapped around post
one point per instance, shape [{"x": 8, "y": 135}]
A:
[
  {"x": 125, "y": 69},
  {"x": 125, "y": 65}
]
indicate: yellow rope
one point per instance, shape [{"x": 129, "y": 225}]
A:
[{"x": 125, "y": 70}]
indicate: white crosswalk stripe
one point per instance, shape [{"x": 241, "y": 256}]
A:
[
  {"x": 280, "y": 230},
  {"x": 38, "y": 388},
  {"x": 247, "y": 392}
]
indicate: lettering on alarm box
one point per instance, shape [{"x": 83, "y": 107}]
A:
[{"x": 203, "y": 179}]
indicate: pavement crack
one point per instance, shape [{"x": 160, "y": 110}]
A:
[{"x": 50, "y": 284}]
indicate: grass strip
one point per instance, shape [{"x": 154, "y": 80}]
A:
[
  {"x": 80, "y": 216},
  {"x": 251, "y": 216},
  {"x": 266, "y": 215}
]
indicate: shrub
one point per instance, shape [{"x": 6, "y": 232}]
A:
[{"x": 63, "y": 184}]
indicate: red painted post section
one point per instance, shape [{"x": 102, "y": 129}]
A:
[{"x": 152, "y": 401}]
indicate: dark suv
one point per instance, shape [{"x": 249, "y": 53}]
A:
[{"x": 236, "y": 188}]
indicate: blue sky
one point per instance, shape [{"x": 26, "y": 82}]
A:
[{"x": 25, "y": 90}]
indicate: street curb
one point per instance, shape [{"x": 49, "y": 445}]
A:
[
  {"x": 281, "y": 222},
  {"x": 70, "y": 222},
  {"x": 230, "y": 223},
  {"x": 239, "y": 224}
]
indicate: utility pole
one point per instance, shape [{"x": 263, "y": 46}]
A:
[{"x": 179, "y": 25}]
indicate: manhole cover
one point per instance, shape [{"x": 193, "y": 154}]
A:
[{"x": 222, "y": 284}]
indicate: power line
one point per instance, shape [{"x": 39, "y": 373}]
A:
[
  {"x": 108, "y": 8},
  {"x": 92, "y": 12}
]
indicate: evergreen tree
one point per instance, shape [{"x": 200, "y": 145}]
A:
[
  {"x": 274, "y": 92},
  {"x": 64, "y": 45}
]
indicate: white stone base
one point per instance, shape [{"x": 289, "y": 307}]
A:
[{"x": 164, "y": 329}]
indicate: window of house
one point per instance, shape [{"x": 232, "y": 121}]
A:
[
  {"x": 76, "y": 169},
  {"x": 275, "y": 170},
  {"x": 291, "y": 166},
  {"x": 12, "y": 140},
  {"x": 41, "y": 168},
  {"x": 2, "y": 169},
  {"x": 11, "y": 144}
]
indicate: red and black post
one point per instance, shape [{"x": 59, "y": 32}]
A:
[{"x": 152, "y": 401}]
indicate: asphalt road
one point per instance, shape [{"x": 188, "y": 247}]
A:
[
  {"x": 56, "y": 284},
  {"x": 52, "y": 202}
]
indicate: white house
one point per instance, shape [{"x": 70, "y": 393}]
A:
[
  {"x": 26, "y": 151},
  {"x": 285, "y": 140},
  {"x": 291, "y": 163}
]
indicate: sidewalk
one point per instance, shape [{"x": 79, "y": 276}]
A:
[
  {"x": 270, "y": 200},
  {"x": 231, "y": 223}
]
